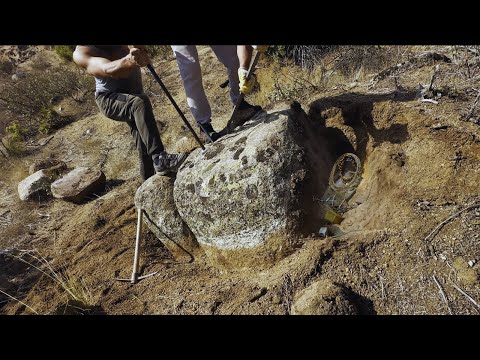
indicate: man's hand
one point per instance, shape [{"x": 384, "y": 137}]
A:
[
  {"x": 246, "y": 86},
  {"x": 139, "y": 55}
]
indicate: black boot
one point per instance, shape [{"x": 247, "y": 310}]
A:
[
  {"x": 244, "y": 112},
  {"x": 207, "y": 129},
  {"x": 166, "y": 163},
  {"x": 246, "y": 106}
]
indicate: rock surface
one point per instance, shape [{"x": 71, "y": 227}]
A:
[
  {"x": 35, "y": 186},
  {"x": 155, "y": 197},
  {"x": 78, "y": 184},
  {"x": 251, "y": 191}
]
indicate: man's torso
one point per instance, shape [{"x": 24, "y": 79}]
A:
[{"x": 130, "y": 85}]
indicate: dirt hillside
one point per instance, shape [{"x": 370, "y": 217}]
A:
[{"x": 420, "y": 166}]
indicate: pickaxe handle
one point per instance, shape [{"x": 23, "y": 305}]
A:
[
  {"x": 154, "y": 73},
  {"x": 137, "y": 247}
]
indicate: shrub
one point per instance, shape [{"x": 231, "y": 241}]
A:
[
  {"x": 32, "y": 97},
  {"x": 15, "y": 136},
  {"x": 15, "y": 131},
  {"x": 48, "y": 120},
  {"x": 65, "y": 52}
]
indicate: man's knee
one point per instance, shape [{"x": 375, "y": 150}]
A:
[{"x": 140, "y": 102}]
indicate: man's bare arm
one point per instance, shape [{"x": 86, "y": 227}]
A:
[{"x": 101, "y": 67}]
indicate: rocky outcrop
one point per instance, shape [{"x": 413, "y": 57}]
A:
[
  {"x": 323, "y": 297},
  {"x": 35, "y": 186},
  {"x": 250, "y": 197},
  {"x": 250, "y": 194},
  {"x": 78, "y": 184},
  {"x": 155, "y": 197}
]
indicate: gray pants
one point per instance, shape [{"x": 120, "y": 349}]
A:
[
  {"x": 189, "y": 66},
  {"x": 136, "y": 111}
]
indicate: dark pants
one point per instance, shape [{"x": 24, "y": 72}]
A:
[{"x": 136, "y": 111}]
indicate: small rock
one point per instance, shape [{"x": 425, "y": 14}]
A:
[
  {"x": 78, "y": 184},
  {"x": 34, "y": 186},
  {"x": 442, "y": 257},
  {"x": 19, "y": 75},
  {"x": 439, "y": 126},
  {"x": 258, "y": 294},
  {"x": 276, "y": 299}
]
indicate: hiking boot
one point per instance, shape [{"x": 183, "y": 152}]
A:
[
  {"x": 245, "y": 112},
  {"x": 246, "y": 106},
  {"x": 168, "y": 163},
  {"x": 208, "y": 129}
]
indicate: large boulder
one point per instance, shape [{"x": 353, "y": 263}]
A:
[
  {"x": 155, "y": 197},
  {"x": 78, "y": 184},
  {"x": 323, "y": 297},
  {"x": 35, "y": 186},
  {"x": 251, "y": 194}
]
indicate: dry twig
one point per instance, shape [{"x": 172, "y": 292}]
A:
[
  {"x": 442, "y": 293},
  {"x": 474, "y": 106},
  {"x": 439, "y": 226},
  {"x": 21, "y": 302},
  {"x": 466, "y": 295}
]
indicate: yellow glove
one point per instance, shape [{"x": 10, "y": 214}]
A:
[
  {"x": 246, "y": 86},
  {"x": 260, "y": 48}
]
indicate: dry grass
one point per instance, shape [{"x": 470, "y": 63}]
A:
[
  {"x": 118, "y": 167},
  {"x": 73, "y": 288},
  {"x": 19, "y": 301},
  {"x": 13, "y": 170}
]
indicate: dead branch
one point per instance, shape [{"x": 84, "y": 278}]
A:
[
  {"x": 474, "y": 106},
  {"x": 466, "y": 295},
  {"x": 383, "y": 288},
  {"x": 3, "y": 150},
  {"x": 442, "y": 293},
  {"x": 439, "y": 226},
  {"x": 472, "y": 50},
  {"x": 429, "y": 101},
  {"x": 419, "y": 60},
  {"x": 435, "y": 69}
]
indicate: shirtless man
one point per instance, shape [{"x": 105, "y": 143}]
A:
[{"x": 119, "y": 96}]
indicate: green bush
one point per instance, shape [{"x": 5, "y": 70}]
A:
[
  {"x": 15, "y": 130},
  {"x": 65, "y": 52},
  {"x": 47, "y": 120},
  {"x": 15, "y": 137}
]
